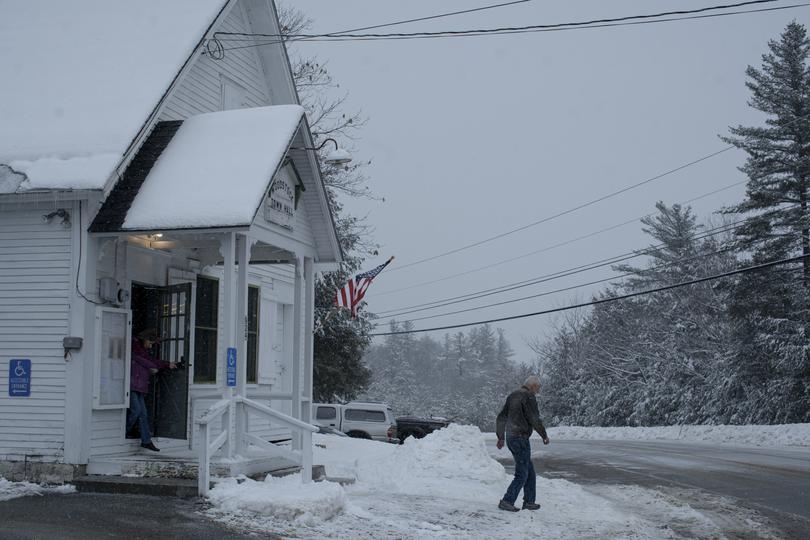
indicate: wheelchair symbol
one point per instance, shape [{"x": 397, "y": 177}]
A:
[{"x": 19, "y": 370}]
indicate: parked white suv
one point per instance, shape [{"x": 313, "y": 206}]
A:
[{"x": 364, "y": 420}]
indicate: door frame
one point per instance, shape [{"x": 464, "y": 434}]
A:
[
  {"x": 176, "y": 276},
  {"x": 180, "y": 277}
]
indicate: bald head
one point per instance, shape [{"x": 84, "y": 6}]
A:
[{"x": 532, "y": 382}]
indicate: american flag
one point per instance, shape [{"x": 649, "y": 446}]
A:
[{"x": 351, "y": 294}]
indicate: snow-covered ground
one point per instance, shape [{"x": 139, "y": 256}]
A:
[
  {"x": 777, "y": 435},
  {"x": 443, "y": 486},
  {"x": 12, "y": 490}
]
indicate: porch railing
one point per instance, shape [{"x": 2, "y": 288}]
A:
[
  {"x": 221, "y": 410},
  {"x": 240, "y": 407}
]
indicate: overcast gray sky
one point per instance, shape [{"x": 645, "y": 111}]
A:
[{"x": 472, "y": 137}]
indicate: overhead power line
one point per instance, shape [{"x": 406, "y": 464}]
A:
[
  {"x": 554, "y": 275},
  {"x": 551, "y": 26},
  {"x": 346, "y": 38},
  {"x": 564, "y": 212},
  {"x": 218, "y": 49},
  {"x": 578, "y": 207},
  {"x": 599, "y": 23},
  {"x": 552, "y": 246},
  {"x": 418, "y": 19},
  {"x": 602, "y": 300},
  {"x": 566, "y": 289}
]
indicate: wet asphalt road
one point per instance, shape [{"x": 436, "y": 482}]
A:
[
  {"x": 91, "y": 516},
  {"x": 776, "y": 479}
]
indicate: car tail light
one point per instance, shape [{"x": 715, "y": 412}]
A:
[{"x": 392, "y": 432}]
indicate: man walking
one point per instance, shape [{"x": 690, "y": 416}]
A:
[{"x": 518, "y": 418}]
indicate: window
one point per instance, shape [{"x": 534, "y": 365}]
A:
[
  {"x": 253, "y": 335},
  {"x": 326, "y": 413},
  {"x": 205, "y": 331},
  {"x": 362, "y": 415}
]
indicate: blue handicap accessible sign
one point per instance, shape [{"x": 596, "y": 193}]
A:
[
  {"x": 231, "y": 371},
  {"x": 19, "y": 377}
]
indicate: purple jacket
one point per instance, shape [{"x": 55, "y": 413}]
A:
[{"x": 142, "y": 362}]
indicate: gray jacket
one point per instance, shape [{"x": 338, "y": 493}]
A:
[{"x": 520, "y": 415}]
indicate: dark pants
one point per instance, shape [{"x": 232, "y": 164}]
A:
[
  {"x": 525, "y": 477},
  {"x": 137, "y": 413}
]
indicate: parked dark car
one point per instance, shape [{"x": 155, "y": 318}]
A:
[{"x": 417, "y": 427}]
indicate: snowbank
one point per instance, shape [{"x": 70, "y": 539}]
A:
[
  {"x": 456, "y": 455},
  {"x": 286, "y": 498},
  {"x": 777, "y": 435},
  {"x": 12, "y": 490},
  {"x": 442, "y": 486}
]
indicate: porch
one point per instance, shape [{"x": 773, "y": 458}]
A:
[{"x": 184, "y": 202}]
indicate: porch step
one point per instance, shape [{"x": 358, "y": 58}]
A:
[
  {"x": 125, "y": 485},
  {"x": 184, "y": 488}
]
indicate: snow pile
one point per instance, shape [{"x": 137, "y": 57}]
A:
[
  {"x": 456, "y": 455},
  {"x": 341, "y": 456},
  {"x": 12, "y": 490},
  {"x": 286, "y": 499},
  {"x": 442, "y": 486},
  {"x": 776, "y": 435}
]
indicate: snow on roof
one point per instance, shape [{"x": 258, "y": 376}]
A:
[
  {"x": 80, "y": 78},
  {"x": 216, "y": 169}
]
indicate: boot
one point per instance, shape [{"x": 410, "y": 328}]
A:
[
  {"x": 503, "y": 505},
  {"x": 150, "y": 446},
  {"x": 530, "y": 506}
]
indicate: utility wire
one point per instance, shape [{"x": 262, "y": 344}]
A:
[
  {"x": 564, "y": 212},
  {"x": 500, "y": 29},
  {"x": 602, "y": 300},
  {"x": 488, "y": 32},
  {"x": 699, "y": 256},
  {"x": 582, "y": 27},
  {"x": 287, "y": 38},
  {"x": 555, "y": 275},
  {"x": 553, "y": 246},
  {"x": 581, "y": 206},
  {"x": 408, "y": 21}
]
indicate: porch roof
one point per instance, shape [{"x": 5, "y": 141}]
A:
[{"x": 215, "y": 171}]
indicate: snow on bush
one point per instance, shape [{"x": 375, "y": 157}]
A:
[
  {"x": 285, "y": 498},
  {"x": 776, "y": 435},
  {"x": 12, "y": 490}
]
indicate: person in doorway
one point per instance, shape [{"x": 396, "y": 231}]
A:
[
  {"x": 518, "y": 418},
  {"x": 143, "y": 364}
]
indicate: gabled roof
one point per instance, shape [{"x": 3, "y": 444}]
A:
[
  {"x": 214, "y": 172},
  {"x": 82, "y": 77}
]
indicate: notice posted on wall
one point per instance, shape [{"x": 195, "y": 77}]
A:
[{"x": 112, "y": 361}]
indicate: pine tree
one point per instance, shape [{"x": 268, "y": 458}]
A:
[
  {"x": 769, "y": 379},
  {"x": 778, "y": 163}
]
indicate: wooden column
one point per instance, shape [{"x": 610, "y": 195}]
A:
[
  {"x": 228, "y": 251},
  {"x": 241, "y": 327},
  {"x": 309, "y": 320},
  {"x": 297, "y": 355}
]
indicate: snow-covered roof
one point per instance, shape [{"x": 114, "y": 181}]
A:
[
  {"x": 81, "y": 77},
  {"x": 216, "y": 170}
]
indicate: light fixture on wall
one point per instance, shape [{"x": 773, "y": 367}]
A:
[
  {"x": 61, "y": 213},
  {"x": 336, "y": 157}
]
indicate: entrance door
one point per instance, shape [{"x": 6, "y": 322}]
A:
[
  {"x": 171, "y": 386},
  {"x": 166, "y": 309}
]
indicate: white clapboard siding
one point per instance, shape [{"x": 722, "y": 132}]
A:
[
  {"x": 201, "y": 90},
  {"x": 35, "y": 286}
]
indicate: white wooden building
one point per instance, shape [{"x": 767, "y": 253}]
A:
[{"x": 131, "y": 192}]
